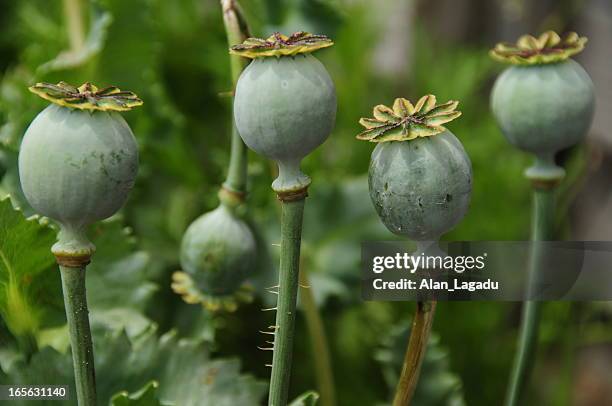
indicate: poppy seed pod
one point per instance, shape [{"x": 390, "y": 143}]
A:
[
  {"x": 285, "y": 106},
  {"x": 78, "y": 162},
  {"x": 545, "y": 102},
  {"x": 218, "y": 251},
  {"x": 285, "y": 103},
  {"x": 420, "y": 176}
]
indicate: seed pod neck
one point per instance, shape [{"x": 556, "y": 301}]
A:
[
  {"x": 545, "y": 173},
  {"x": 73, "y": 248},
  {"x": 291, "y": 179},
  {"x": 233, "y": 201},
  {"x": 429, "y": 248}
]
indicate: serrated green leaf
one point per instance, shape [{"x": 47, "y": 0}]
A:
[
  {"x": 118, "y": 287},
  {"x": 147, "y": 396},
  {"x": 437, "y": 386},
  {"x": 16, "y": 105},
  {"x": 47, "y": 367},
  {"x": 309, "y": 398},
  {"x": 24, "y": 255},
  {"x": 186, "y": 374},
  {"x": 30, "y": 291}
]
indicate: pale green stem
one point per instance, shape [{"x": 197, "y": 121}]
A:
[
  {"x": 73, "y": 13},
  {"x": 75, "y": 301},
  {"x": 236, "y": 31},
  {"x": 291, "y": 236},
  {"x": 542, "y": 230},
  {"x": 318, "y": 340}
]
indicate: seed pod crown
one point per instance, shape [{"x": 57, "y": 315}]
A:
[
  {"x": 549, "y": 47},
  {"x": 87, "y": 96},
  {"x": 281, "y": 45},
  {"x": 406, "y": 121}
]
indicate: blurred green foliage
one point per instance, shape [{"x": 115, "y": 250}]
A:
[{"x": 173, "y": 54}]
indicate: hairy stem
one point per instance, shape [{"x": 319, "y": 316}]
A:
[
  {"x": 73, "y": 284},
  {"x": 236, "y": 31},
  {"x": 291, "y": 236},
  {"x": 542, "y": 230},
  {"x": 417, "y": 346},
  {"x": 73, "y": 13},
  {"x": 318, "y": 339}
]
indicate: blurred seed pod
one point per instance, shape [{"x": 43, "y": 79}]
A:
[{"x": 218, "y": 253}]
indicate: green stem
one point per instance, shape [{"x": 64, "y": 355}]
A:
[
  {"x": 542, "y": 230},
  {"x": 236, "y": 31},
  {"x": 73, "y": 284},
  {"x": 415, "y": 353},
  {"x": 73, "y": 13},
  {"x": 291, "y": 236},
  {"x": 318, "y": 339}
]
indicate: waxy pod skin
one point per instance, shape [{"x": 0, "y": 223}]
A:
[
  {"x": 421, "y": 188},
  {"x": 285, "y": 107},
  {"x": 77, "y": 166},
  {"x": 545, "y": 101}
]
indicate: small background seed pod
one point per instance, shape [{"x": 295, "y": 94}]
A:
[
  {"x": 285, "y": 104},
  {"x": 420, "y": 176},
  {"x": 545, "y": 102},
  {"x": 217, "y": 252},
  {"x": 78, "y": 159}
]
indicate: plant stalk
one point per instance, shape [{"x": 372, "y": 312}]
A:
[
  {"x": 237, "y": 31},
  {"x": 75, "y": 301},
  {"x": 318, "y": 339},
  {"x": 73, "y": 13},
  {"x": 291, "y": 236},
  {"x": 415, "y": 353},
  {"x": 542, "y": 230}
]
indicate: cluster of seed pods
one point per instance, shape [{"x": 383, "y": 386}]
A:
[{"x": 79, "y": 160}]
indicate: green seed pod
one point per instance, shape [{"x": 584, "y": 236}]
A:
[
  {"x": 218, "y": 253},
  {"x": 78, "y": 160},
  {"x": 420, "y": 176},
  {"x": 545, "y": 102},
  {"x": 285, "y": 104}
]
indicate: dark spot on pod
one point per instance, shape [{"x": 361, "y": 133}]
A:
[{"x": 449, "y": 198}]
